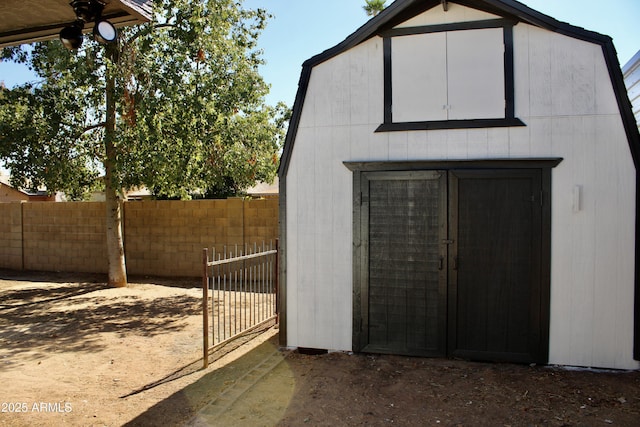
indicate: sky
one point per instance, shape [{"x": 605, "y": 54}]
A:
[{"x": 301, "y": 29}]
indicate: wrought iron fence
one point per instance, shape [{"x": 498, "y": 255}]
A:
[{"x": 239, "y": 291}]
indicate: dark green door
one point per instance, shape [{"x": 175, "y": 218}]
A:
[{"x": 451, "y": 264}]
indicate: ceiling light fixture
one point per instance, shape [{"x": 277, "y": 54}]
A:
[
  {"x": 104, "y": 32},
  {"x": 71, "y": 35},
  {"x": 88, "y": 11}
]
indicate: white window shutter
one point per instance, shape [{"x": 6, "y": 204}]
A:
[
  {"x": 476, "y": 74},
  {"x": 419, "y": 76}
]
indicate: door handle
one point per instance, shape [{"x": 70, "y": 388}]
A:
[{"x": 441, "y": 263}]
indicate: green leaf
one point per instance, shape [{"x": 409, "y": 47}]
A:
[{"x": 190, "y": 115}]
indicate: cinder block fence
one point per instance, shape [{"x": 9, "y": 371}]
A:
[{"x": 162, "y": 238}]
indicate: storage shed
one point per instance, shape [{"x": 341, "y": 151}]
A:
[{"x": 459, "y": 180}]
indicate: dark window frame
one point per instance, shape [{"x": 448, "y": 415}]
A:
[{"x": 509, "y": 118}]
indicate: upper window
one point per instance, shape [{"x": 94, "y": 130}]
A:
[{"x": 449, "y": 76}]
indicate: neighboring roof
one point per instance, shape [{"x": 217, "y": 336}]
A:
[
  {"x": 10, "y": 193},
  {"x": 264, "y": 189},
  {"x": 631, "y": 72},
  {"x": 27, "y": 21},
  {"x": 633, "y": 64},
  {"x": 402, "y": 10}
]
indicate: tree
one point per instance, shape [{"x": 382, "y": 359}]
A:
[
  {"x": 176, "y": 106},
  {"x": 373, "y": 7}
]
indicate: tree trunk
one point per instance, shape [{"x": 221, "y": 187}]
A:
[{"x": 115, "y": 245}]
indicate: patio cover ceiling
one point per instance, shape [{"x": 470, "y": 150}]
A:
[{"x": 28, "y": 21}]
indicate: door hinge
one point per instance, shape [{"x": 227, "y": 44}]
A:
[
  {"x": 447, "y": 242},
  {"x": 540, "y": 198}
]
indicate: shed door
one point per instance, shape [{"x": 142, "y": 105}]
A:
[
  {"x": 494, "y": 264},
  {"x": 452, "y": 264},
  {"x": 406, "y": 284}
]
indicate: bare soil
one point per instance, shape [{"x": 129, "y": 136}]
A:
[{"x": 75, "y": 352}]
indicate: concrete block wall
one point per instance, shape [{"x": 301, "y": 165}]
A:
[
  {"x": 261, "y": 221},
  {"x": 64, "y": 237},
  {"x": 166, "y": 238},
  {"x": 11, "y": 235},
  {"x": 161, "y": 238}
]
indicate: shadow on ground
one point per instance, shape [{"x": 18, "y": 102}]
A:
[
  {"x": 67, "y": 277},
  {"x": 360, "y": 389},
  {"x": 51, "y": 276},
  {"x": 68, "y": 317},
  {"x": 227, "y": 395}
]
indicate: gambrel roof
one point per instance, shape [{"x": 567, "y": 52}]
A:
[{"x": 402, "y": 10}]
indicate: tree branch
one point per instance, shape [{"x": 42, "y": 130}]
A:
[
  {"x": 91, "y": 127},
  {"x": 145, "y": 30}
]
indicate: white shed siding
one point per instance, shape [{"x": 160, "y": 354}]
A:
[
  {"x": 564, "y": 96},
  {"x": 342, "y": 110},
  {"x": 573, "y": 114}
]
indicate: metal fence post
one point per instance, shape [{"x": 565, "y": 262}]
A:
[
  {"x": 277, "y": 290},
  {"x": 205, "y": 306}
]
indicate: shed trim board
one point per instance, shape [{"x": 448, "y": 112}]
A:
[{"x": 516, "y": 12}]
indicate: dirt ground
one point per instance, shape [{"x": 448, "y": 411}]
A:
[{"x": 75, "y": 352}]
